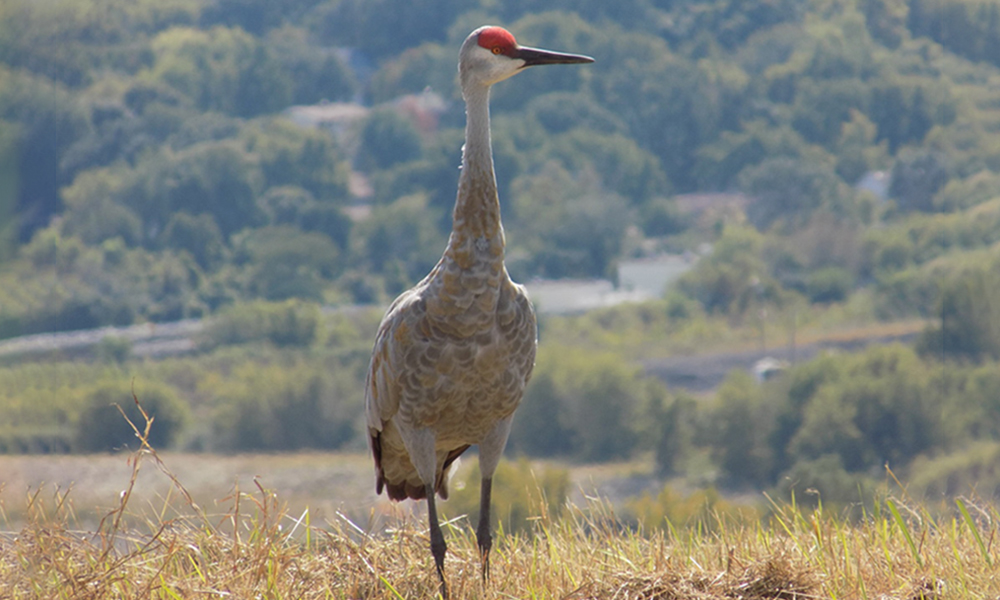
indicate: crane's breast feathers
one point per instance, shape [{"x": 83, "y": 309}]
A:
[{"x": 427, "y": 376}]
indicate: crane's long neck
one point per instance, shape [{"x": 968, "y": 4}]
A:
[{"x": 477, "y": 207}]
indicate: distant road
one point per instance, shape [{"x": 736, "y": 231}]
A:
[
  {"x": 698, "y": 374},
  {"x": 148, "y": 339},
  {"x": 703, "y": 373}
]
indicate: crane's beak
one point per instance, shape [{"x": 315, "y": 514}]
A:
[{"x": 537, "y": 56}]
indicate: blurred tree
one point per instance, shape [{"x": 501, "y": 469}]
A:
[
  {"x": 93, "y": 212},
  {"x": 317, "y": 73},
  {"x": 285, "y": 262},
  {"x": 823, "y": 107},
  {"x": 429, "y": 66},
  {"x": 543, "y": 426},
  {"x": 197, "y": 235},
  {"x": 567, "y": 225},
  {"x": 960, "y": 194},
  {"x": 388, "y": 138},
  {"x": 857, "y": 149},
  {"x": 279, "y": 407},
  {"x": 254, "y": 16},
  {"x": 8, "y": 193},
  {"x": 786, "y": 192},
  {"x": 382, "y": 28},
  {"x": 561, "y": 112},
  {"x": 734, "y": 277},
  {"x": 622, "y": 166},
  {"x": 215, "y": 178},
  {"x": 742, "y": 427},
  {"x": 291, "y": 205},
  {"x": 720, "y": 161},
  {"x": 671, "y": 107},
  {"x": 969, "y": 319},
  {"x": 881, "y": 412},
  {"x": 220, "y": 69},
  {"x": 285, "y": 205},
  {"x": 44, "y": 120},
  {"x": 829, "y": 284},
  {"x": 284, "y": 324},
  {"x": 886, "y": 20},
  {"x": 102, "y": 427},
  {"x": 661, "y": 217},
  {"x": 917, "y": 177},
  {"x": 404, "y": 233},
  {"x": 291, "y": 155},
  {"x": 674, "y": 421}
]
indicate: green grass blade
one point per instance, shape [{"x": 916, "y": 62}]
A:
[
  {"x": 391, "y": 589},
  {"x": 971, "y": 524},
  {"x": 906, "y": 530}
]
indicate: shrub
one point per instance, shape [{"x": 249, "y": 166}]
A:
[
  {"x": 288, "y": 323},
  {"x": 283, "y": 408},
  {"x": 825, "y": 480},
  {"x": 102, "y": 428},
  {"x": 829, "y": 284},
  {"x": 520, "y": 491},
  {"x": 704, "y": 508}
]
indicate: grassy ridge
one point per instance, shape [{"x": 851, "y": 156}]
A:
[{"x": 255, "y": 549}]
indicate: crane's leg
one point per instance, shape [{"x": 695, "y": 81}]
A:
[
  {"x": 420, "y": 444},
  {"x": 438, "y": 546},
  {"x": 483, "y": 536},
  {"x": 490, "y": 450}
]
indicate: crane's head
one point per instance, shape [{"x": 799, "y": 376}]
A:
[{"x": 491, "y": 54}]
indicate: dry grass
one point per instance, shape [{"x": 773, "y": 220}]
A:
[{"x": 255, "y": 549}]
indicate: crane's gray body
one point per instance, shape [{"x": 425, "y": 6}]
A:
[{"x": 454, "y": 353}]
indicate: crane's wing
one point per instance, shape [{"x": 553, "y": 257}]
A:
[{"x": 382, "y": 391}]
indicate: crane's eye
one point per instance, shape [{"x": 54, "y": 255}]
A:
[{"x": 497, "y": 50}]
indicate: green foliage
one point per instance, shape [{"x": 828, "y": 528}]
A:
[
  {"x": 521, "y": 491},
  {"x": 282, "y": 407},
  {"x": 568, "y": 224},
  {"x": 734, "y": 277},
  {"x": 830, "y": 284},
  {"x": 787, "y": 192},
  {"x": 288, "y": 323},
  {"x": 291, "y": 155},
  {"x": 955, "y": 474},
  {"x": 112, "y": 349},
  {"x": 969, "y": 319},
  {"x": 824, "y": 480},
  {"x": 44, "y": 119},
  {"x": 402, "y": 237},
  {"x": 584, "y": 406},
  {"x": 156, "y": 125},
  {"x": 101, "y": 426},
  {"x": 284, "y": 262},
  {"x": 743, "y": 424},
  {"x": 672, "y": 510},
  {"x": 388, "y": 138},
  {"x": 220, "y": 69}
]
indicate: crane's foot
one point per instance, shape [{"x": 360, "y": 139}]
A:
[
  {"x": 438, "y": 549},
  {"x": 485, "y": 541}
]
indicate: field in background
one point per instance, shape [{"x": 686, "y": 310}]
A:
[{"x": 324, "y": 483}]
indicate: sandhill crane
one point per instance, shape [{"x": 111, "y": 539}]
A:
[{"x": 453, "y": 354}]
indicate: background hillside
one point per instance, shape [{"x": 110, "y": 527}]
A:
[{"x": 267, "y": 164}]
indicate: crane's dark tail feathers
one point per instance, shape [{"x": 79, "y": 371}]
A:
[{"x": 405, "y": 489}]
